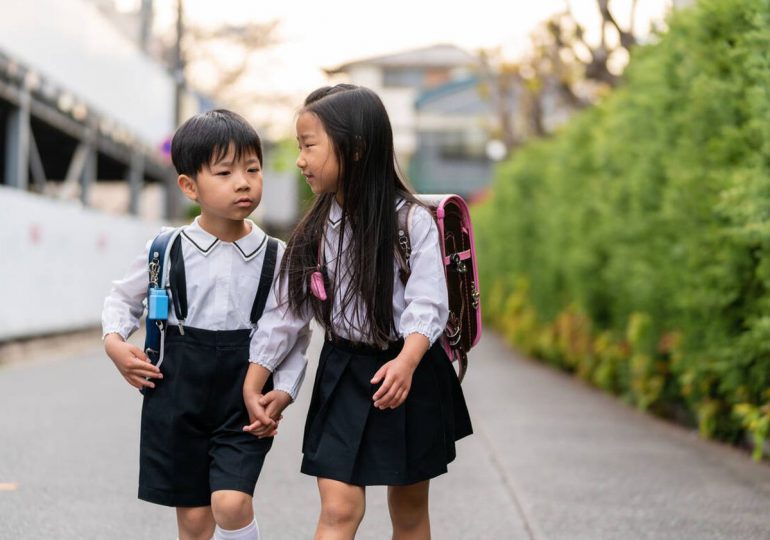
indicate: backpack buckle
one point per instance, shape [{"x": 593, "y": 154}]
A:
[
  {"x": 458, "y": 263},
  {"x": 452, "y": 330}
]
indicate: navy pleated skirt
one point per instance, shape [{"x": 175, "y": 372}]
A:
[{"x": 348, "y": 439}]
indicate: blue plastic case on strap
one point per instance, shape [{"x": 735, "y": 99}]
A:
[{"x": 157, "y": 292}]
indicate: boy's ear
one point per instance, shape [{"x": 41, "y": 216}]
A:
[{"x": 188, "y": 187}]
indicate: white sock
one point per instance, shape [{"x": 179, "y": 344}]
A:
[{"x": 249, "y": 532}]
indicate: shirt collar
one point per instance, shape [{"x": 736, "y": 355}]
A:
[
  {"x": 248, "y": 246},
  {"x": 335, "y": 212}
]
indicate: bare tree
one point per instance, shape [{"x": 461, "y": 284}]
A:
[
  {"x": 560, "y": 64},
  {"x": 206, "y": 48},
  {"x": 223, "y": 61},
  {"x": 598, "y": 68}
]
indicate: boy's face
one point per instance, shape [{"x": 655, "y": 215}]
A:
[
  {"x": 226, "y": 189},
  {"x": 317, "y": 159}
]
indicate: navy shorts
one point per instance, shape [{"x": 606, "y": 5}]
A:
[{"x": 192, "y": 439}]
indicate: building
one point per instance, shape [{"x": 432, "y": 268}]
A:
[
  {"x": 439, "y": 119},
  {"x": 452, "y": 128}
]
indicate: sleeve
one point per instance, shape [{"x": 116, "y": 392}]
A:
[
  {"x": 290, "y": 373},
  {"x": 425, "y": 295},
  {"x": 281, "y": 335},
  {"x": 124, "y": 306}
]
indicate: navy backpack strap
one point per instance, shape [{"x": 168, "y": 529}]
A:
[
  {"x": 177, "y": 281},
  {"x": 156, "y": 262},
  {"x": 265, "y": 280}
]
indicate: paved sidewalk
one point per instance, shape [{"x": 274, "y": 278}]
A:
[
  {"x": 550, "y": 459},
  {"x": 581, "y": 465}
]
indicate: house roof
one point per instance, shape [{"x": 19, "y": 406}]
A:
[
  {"x": 460, "y": 97},
  {"x": 445, "y": 90},
  {"x": 441, "y": 55}
]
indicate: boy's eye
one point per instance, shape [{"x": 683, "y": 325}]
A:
[
  {"x": 254, "y": 170},
  {"x": 223, "y": 173}
]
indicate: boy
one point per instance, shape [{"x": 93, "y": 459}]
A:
[{"x": 194, "y": 453}]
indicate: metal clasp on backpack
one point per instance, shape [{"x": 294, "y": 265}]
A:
[
  {"x": 403, "y": 241},
  {"x": 452, "y": 330},
  {"x": 154, "y": 269},
  {"x": 475, "y": 295},
  {"x": 458, "y": 262}
]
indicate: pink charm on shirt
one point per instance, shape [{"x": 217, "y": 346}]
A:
[{"x": 317, "y": 285}]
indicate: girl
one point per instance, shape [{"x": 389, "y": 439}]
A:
[{"x": 386, "y": 407}]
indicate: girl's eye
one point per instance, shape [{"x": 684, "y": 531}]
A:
[
  {"x": 223, "y": 173},
  {"x": 254, "y": 170}
]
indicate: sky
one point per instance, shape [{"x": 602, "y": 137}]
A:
[{"x": 314, "y": 35}]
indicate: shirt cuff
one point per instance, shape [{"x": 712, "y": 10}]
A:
[
  {"x": 124, "y": 331},
  {"x": 426, "y": 329},
  {"x": 264, "y": 362},
  {"x": 292, "y": 395}
]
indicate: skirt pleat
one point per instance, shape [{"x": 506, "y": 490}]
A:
[{"x": 348, "y": 439}]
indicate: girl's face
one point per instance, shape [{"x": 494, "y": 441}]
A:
[{"x": 317, "y": 159}]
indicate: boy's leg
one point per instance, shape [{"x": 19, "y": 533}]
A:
[
  {"x": 232, "y": 509},
  {"x": 408, "y": 507},
  {"x": 342, "y": 509},
  {"x": 195, "y": 523}
]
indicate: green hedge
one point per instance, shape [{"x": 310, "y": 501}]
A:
[{"x": 634, "y": 246}]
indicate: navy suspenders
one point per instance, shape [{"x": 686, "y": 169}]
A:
[
  {"x": 265, "y": 280},
  {"x": 177, "y": 285}
]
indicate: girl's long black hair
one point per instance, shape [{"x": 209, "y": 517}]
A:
[{"x": 358, "y": 125}]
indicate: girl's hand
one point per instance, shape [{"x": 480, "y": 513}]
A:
[
  {"x": 261, "y": 424},
  {"x": 397, "y": 380},
  {"x": 274, "y": 402}
]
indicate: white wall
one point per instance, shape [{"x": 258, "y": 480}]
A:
[
  {"x": 399, "y": 102},
  {"x": 279, "y": 206},
  {"x": 57, "y": 260},
  {"x": 72, "y": 44}
]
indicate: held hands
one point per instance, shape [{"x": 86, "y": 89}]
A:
[
  {"x": 132, "y": 363},
  {"x": 261, "y": 424},
  {"x": 274, "y": 402},
  {"x": 396, "y": 377},
  {"x": 267, "y": 412}
]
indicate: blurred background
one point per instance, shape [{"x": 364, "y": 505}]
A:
[{"x": 616, "y": 155}]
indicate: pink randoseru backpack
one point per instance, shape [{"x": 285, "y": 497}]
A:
[{"x": 463, "y": 329}]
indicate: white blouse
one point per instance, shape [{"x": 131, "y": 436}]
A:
[
  {"x": 420, "y": 307},
  {"x": 222, "y": 279}
]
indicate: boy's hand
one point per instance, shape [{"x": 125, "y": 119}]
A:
[
  {"x": 396, "y": 377},
  {"x": 274, "y": 403},
  {"x": 261, "y": 424},
  {"x": 132, "y": 363}
]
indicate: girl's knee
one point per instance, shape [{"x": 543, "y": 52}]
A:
[
  {"x": 195, "y": 523},
  {"x": 341, "y": 504},
  {"x": 337, "y": 513},
  {"x": 408, "y": 505},
  {"x": 232, "y": 509}
]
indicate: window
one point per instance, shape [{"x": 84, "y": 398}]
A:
[{"x": 403, "y": 77}]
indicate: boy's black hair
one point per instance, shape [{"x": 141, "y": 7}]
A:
[{"x": 206, "y": 138}]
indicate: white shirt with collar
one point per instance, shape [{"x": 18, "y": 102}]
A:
[
  {"x": 222, "y": 280},
  {"x": 422, "y": 306}
]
